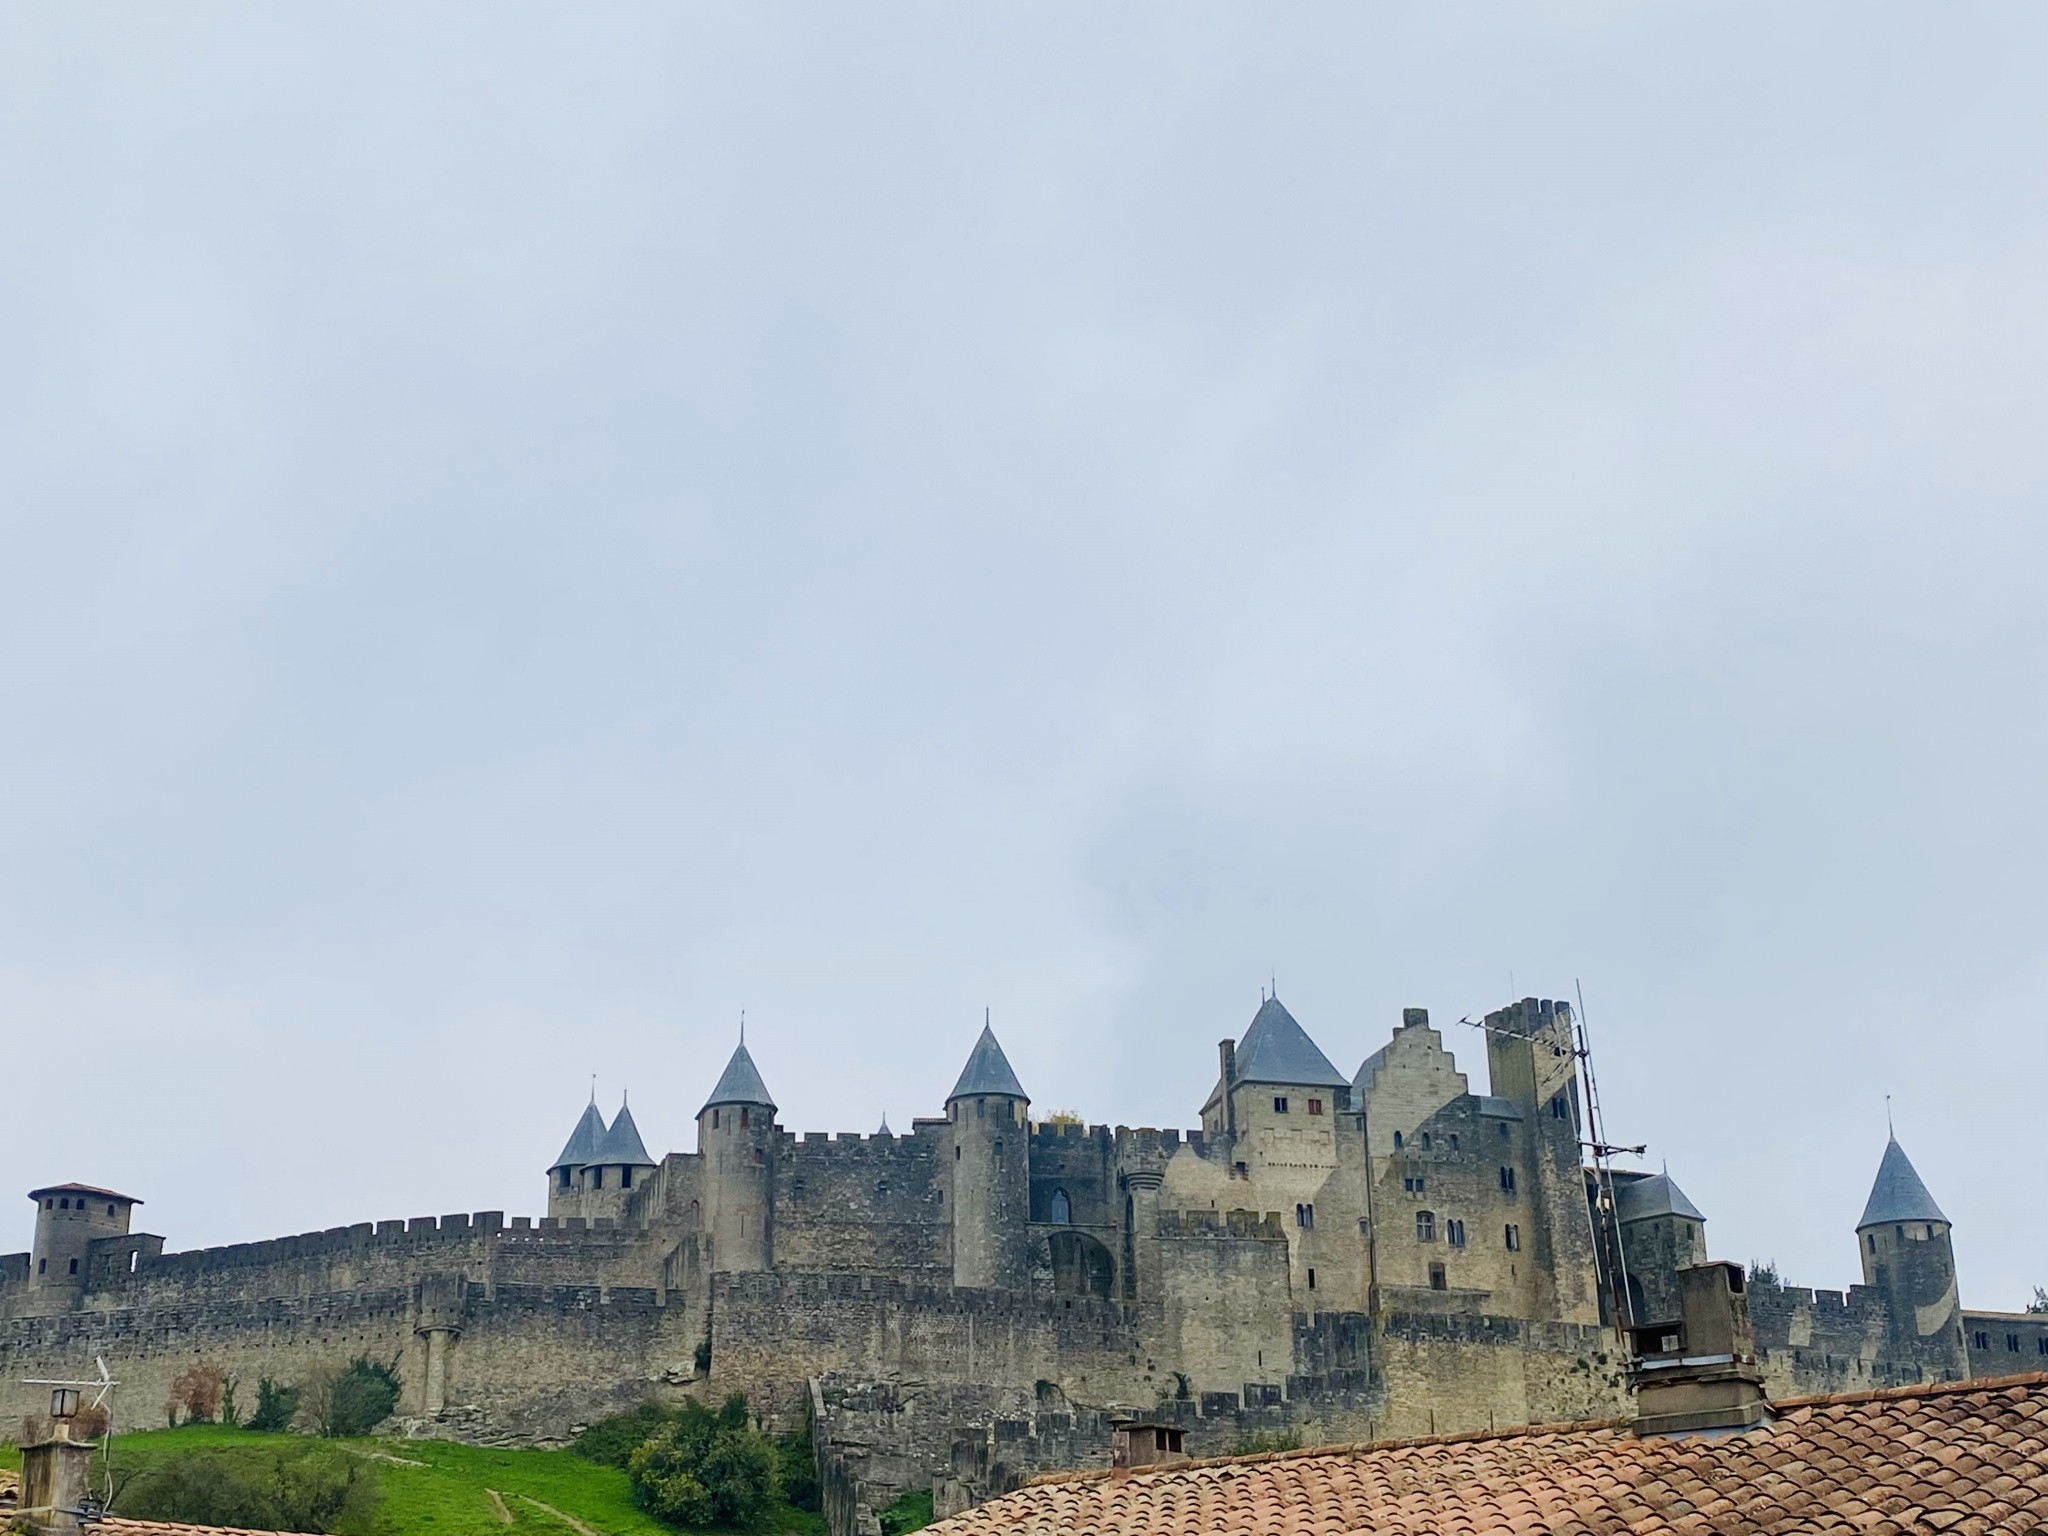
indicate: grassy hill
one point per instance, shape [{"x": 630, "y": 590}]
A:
[{"x": 439, "y": 1488}]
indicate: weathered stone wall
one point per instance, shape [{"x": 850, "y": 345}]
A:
[
  {"x": 1812, "y": 1341},
  {"x": 873, "y": 1204},
  {"x": 1446, "y": 1373}
]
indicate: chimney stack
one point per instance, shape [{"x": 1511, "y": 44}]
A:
[
  {"x": 55, "y": 1474},
  {"x": 1699, "y": 1372},
  {"x": 1143, "y": 1445}
]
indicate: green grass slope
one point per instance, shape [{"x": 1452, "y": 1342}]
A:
[{"x": 440, "y": 1488}]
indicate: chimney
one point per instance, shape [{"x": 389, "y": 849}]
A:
[
  {"x": 1415, "y": 1018},
  {"x": 1143, "y": 1445},
  {"x": 55, "y": 1473},
  {"x": 1699, "y": 1372},
  {"x": 1226, "y": 1056}
]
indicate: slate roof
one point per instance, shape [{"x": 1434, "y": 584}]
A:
[
  {"x": 1639, "y": 1199},
  {"x": 1499, "y": 1108},
  {"x": 581, "y": 1148},
  {"x": 1278, "y": 1050},
  {"x": 739, "y": 1083},
  {"x": 987, "y": 1071},
  {"x": 622, "y": 1143},
  {"x": 1957, "y": 1458},
  {"x": 1898, "y": 1194}
]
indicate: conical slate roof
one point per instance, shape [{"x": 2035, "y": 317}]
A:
[
  {"x": 987, "y": 1071},
  {"x": 885, "y": 1131},
  {"x": 1278, "y": 1050},
  {"x": 740, "y": 1083},
  {"x": 622, "y": 1143},
  {"x": 581, "y": 1149},
  {"x": 1898, "y": 1194},
  {"x": 1639, "y": 1199}
]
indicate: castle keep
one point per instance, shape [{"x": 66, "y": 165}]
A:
[{"x": 1334, "y": 1256}]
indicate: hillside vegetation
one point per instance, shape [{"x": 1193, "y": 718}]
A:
[{"x": 436, "y": 1487}]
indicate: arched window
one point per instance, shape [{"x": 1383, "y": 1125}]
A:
[
  {"x": 1397, "y": 1141},
  {"x": 1062, "y": 1207}
]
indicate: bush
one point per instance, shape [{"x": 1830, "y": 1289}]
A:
[
  {"x": 1265, "y": 1442},
  {"x": 274, "y": 1488},
  {"x": 276, "y": 1407},
  {"x": 703, "y": 1468},
  {"x": 198, "y": 1391},
  {"x": 612, "y": 1442},
  {"x": 350, "y": 1401},
  {"x": 910, "y": 1512},
  {"x": 797, "y": 1469}
]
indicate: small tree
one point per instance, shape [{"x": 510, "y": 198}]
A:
[
  {"x": 197, "y": 1393},
  {"x": 704, "y": 1468},
  {"x": 276, "y": 1406},
  {"x": 342, "y": 1402}
]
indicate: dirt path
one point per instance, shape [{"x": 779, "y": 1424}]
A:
[
  {"x": 498, "y": 1506},
  {"x": 569, "y": 1520}
]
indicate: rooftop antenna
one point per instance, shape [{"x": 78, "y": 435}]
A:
[
  {"x": 593, "y": 1088},
  {"x": 743, "y": 1026},
  {"x": 984, "y": 1016},
  {"x": 1603, "y": 1173},
  {"x": 1894, "y": 1135}
]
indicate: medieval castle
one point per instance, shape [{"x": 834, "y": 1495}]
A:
[{"x": 1330, "y": 1256}]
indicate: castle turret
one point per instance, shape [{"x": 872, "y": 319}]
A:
[
  {"x": 1662, "y": 1233},
  {"x": 1903, "y": 1239},
  {"x": 736, "y": 1139},
  {"x": 69, "y": 1218},
  {"x": 991, "y": 1170},
  {"x": 617, "y": 1163},
  {"x": 565, "y": 1174},
  {"x": 1532, "y": 1061}
]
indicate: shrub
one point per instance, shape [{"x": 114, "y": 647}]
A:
[
  {"x": 1265, "y": 1442},
  {"x": 703, "y": 1468},
  {"x": 197, "y": 1391},
  {"x": 272, "y": 1488},
  {"x": 910, "y": 1511},
  {"x": 796, "y": 1469},
  {"x": 276, "y": 1407},
  {"x": 351, "y": 1400},
  {"x": 611, "y": 1442}
]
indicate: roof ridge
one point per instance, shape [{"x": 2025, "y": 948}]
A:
[
  {"x": 1918, "y": 1389},
  {"x": 1338, "y": 1448}
]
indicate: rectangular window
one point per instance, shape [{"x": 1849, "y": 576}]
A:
[
  {"x": 1437, "y": 1281},
  {"x": 2012, "y": 1343},
  {"x": 1454, "y": 1141},
  {"x": 1980, "y": 1340},
  {"x": 1425, "y": 1226},
  {"x": 1279, "y": 1104},
  {"x": 74, "y": 1266},
  {"x": 1454, "y": 1230},
  {"x": 1507, "y": 1181},
  {"x": 565, "y": 1178},
  {"x": 1513, "y": 1237},
  {"x": 1412, "y": 1184},
  {"x": 1315, "y": 1106},
  {"x": 2041, "y": 1345},
  {"x": 597, "y": 1178},
  {"x": 745, "y": 1120},
  {"x": 1305, "y": 1216},
  {"x": 1311, "y": 1278},
  {"x": 625, "y": 1178}
]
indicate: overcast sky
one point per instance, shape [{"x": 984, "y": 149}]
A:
[{"x": 527, "y": 530}]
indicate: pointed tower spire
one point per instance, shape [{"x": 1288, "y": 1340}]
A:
[
  {"x": 987, "y": 1071},
  {"x": 740, "y": 1083},
  {"x": 1898, "y": 1195},
  {"x": 621, "y": 1145},
  {"x": 581, "y": 1148}
]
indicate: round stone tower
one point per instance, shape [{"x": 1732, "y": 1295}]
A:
[
  {"x": 69, "y": 1218},
  {"x": 991, "y": 1171},
  {"x": 736, "y": 1138},
  {"x": 1907, "y": 1255}
]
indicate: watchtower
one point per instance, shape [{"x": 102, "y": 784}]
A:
[
  {"x": 69, "y": 1218},
  {"x": 990, "y": 1165},
  {"x": 1903, "y": 1240},
  {"x": 736, "y": 1138},
  {"x": 1662, "y": 1233},
  {"x": 565, "y": 1174}
]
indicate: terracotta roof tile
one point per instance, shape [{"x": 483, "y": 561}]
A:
[{"x": 1956, "y": 1459}]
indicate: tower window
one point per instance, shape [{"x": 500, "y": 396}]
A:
[
  {"x": 1412, "y": 1184},
  {"x": 626, "y": 1178},
  {"x": 1980, "y": 1340},
  {"x": 64, "y": 1204},
  {"x": 1454, "y": 1232},
  {"x": 956, "y": 1154},
  {"x": 1512, "y": 1236},
  {"x": 1315, "y": 1106},
  {"x": 42, "y": 1266},
  {"x": 565, "y": 1178},
  {"x": 1397, "y": 1141},
  {"x": 999, "y": 1146},
  {"x": 981, "y": 1109},
  {"x": 757, "y": 1157},
  {"x": 1425, "y": 1226},
  {"x": 1437, "y": 1280},
  {"x": 49, "y": 1205},
  {"x": 1062, "y": 1207},
  {"x": 1454, "y": 1141},
  {"x": 1899, "y": 1233},
  {"x": 1311, "y": 1277},
  {"x": 1507, "y": 1181},
  {"x": 1425, "y": 1141},
  {"x": 2041, "y": 1345},
  {"x": 2012, "y": 1340},
  {"x": 1503, "y": 1129},
  {"x": 1279, "y": 1103},
  {"x": 1557, "y": 1107},
  {"x": 74, "y": 1270},
  {"x": 1871, "y": 1238},
  {"x": 597, "y": 1178},
  {"x": 714, "y": 1119},
  {"x": 1930, "y": 1230},
  {"x": 1305, "y": 1217},
  {"x": 745, "y": 1119}
]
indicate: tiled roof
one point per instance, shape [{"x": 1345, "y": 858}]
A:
[
  {"x": 1278, "y": 1050},
  {"x": 82, "y": 1189},
  {"x": 117, "y": 1527},
  {"x": 1955, "y": 1459}
]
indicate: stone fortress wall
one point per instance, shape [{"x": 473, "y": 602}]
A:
[{"x": 1335, "y": 1257}]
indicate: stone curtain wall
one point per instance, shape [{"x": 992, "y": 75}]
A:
[{"x": 873, "y": 1204}]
